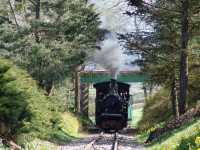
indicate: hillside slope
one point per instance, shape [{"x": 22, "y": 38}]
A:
[{"x": 184, "y": 138}]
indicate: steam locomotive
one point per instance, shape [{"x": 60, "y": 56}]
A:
[{"x": 111, "y": 101}]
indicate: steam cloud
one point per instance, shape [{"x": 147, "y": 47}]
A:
[{"x": 110, "y": 56}]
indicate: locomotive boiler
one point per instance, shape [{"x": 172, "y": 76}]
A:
[{"x": 112, "y": 99}]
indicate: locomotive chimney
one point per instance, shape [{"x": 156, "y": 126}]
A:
[
  {"x": 113, "y": 86},
  {"x": 113, "y": 83}
]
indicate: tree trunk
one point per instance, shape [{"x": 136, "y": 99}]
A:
[
  {"x": 37, "y": 17},
  {"x": 49, "y": 88},
  {"x": 145, "y": 92},
  {"x": 174, "y": 99},
  {"x": 13, "y": 12},
  {"x": 151, "y": 89},
  {"x": 77, "y": 87},
  {"x": 37, "y": 9},
  {"x": 184, "y": 57}
]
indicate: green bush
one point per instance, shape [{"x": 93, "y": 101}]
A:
[
  {"x": 192, "y": 142},
  {"x": 23, "y": 107}
]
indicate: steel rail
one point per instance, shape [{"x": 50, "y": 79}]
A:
[
  {"x": 91, "y": 144},
  {"x": 115, "y": 142}
]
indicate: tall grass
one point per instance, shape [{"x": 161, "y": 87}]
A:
[
  {"x": 156, "y": 110},
  {"x": 179, "y": 139}
]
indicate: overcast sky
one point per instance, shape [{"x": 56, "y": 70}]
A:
[
  {"x": 113, "y": 19},
  {"x": 111, "y": 15}
]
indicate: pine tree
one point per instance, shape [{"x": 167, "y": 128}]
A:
[
  {"x": 171, "y": 22},
  {"x": 53, "y": 38},
  {"x": 23, "y": 107}
]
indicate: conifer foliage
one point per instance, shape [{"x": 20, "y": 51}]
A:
[
  {"x": 23, "y": 107},
  {"x": 168, "y": 45},
  {"x": 46, "y": 40},
  {"x": 51, "y": 38}
]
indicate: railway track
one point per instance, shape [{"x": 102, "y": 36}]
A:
[
  {"x": 90, "y": 146},
  {"x": 115, "y": 142},
  {"x": 104, "y": 141},
  {"x": 93, "y": 144}
]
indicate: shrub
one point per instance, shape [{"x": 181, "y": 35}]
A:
[
  {"x": 192, "y": 142},
  {"x": 23, "y": 107},
  {"x": 175, "y": 123},
  {"x": 156, "y": 110}
]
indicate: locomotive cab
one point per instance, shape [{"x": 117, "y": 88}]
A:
[{"x": 111, "y": 105}]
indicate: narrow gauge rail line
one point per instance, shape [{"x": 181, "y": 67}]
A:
[
  {"x": 114, "y": 145},
  {"x": 115, "y": 142},
  {"x": 91, "y": 144}
]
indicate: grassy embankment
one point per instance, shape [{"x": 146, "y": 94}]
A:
[
  {"x": 28, "y": 117},
  {"x": 156, "y": 112},
  {"x": 70, "y": 124},
  {"x": 184, "y": 138},
  {"x": 137, "y": 116}
]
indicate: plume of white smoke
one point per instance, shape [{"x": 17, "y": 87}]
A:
[{"x": 110, "y": 56}]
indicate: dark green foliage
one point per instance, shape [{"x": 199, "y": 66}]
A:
[
  {"x": 60, "y": 137},
  {"x": 161, "y": 50},
  {"x": 85, "y": 121},
  {"x": 189, "y": 143},
  {"x": 23, "y": 107},
  {"x": 51, "y": 46}
]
